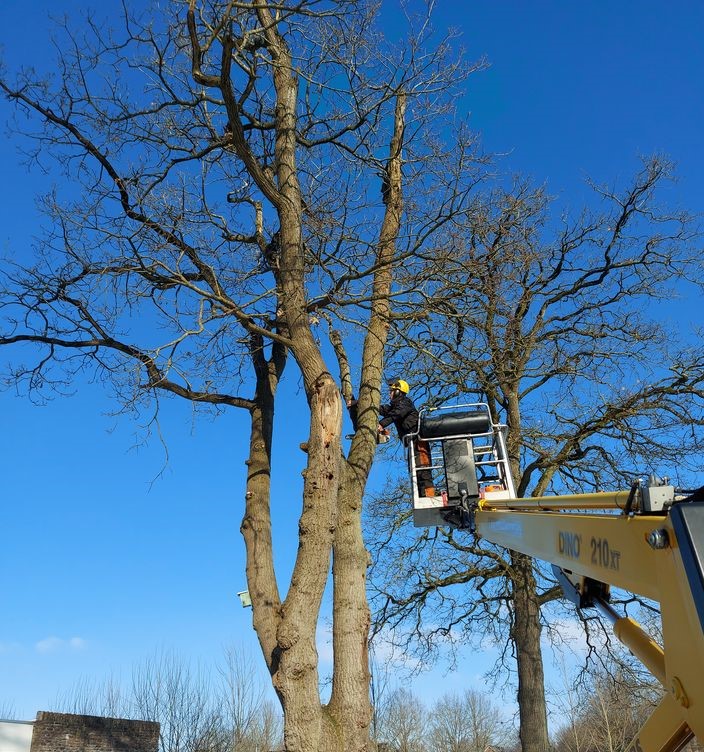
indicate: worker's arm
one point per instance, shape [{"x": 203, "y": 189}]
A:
[{"x": 389, "y": 414}]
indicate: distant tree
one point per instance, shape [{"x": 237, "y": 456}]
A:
[
  {"x": 604, "y": 709},
  {"x": 185, "y": 704},
  {"x": 195, "y": 713},
  {"x": 466, "y": 722},
  {"x": 382, "y": 677},
  {"x": 239, "y": 184},
  {"x": 252, "y": 722},
  {"x": 404, "y": 722},
  {"x": 609, "y": 706},
  {"x": 553, "y": 323}
]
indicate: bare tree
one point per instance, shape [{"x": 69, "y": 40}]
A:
[
  {"x": 469, "y": 722},
  {"x": 404, "y": 724},
  {"x": 163, "y": 689},
  {"x": 553, "y": 324},
  {"x": 249, "y": 715},
  {"x": 184, "y": 703},
  {"x": 567, "y": 700},
  {"x": 195, "y": 714},
  {"x": 381, "y": 687},
  {"x": 611, "y": 706},
  {"x": 602, "y": 709},
  {"x": 232, "y": 191}
]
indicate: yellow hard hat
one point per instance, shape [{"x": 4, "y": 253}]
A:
[{"x": 400, "y": 384}]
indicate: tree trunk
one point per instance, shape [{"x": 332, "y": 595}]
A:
[
  {"x": 256, "y": 523},
  {"x": 286, "y": 631},
  {"x": 526, "y": 628},
  {"x": 297, "y": 679},
  {"x": 525, "y": 633},
  {"x": 295, "y": 674},
  {"x": 350, "y": 706},
  {"x": 332, "y": 493},
  {"x": 256, "y": 531}
]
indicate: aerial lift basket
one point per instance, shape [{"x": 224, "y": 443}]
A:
[{"x": 466, "y": 454}]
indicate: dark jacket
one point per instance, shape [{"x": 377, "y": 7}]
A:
[{"x": 402, "y": 413}]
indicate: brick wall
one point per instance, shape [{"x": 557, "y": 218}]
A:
[{"x": 61, "y": 732}]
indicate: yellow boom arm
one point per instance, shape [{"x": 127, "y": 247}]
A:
[{"x": 659, "y": 556}]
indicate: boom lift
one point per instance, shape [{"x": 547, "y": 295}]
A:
[{"x": 648, "y": 540}]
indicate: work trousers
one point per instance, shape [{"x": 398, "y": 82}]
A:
[{"x": 424, "y": 478}]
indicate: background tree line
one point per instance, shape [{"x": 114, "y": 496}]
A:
[{"x": 226, "y": 709}]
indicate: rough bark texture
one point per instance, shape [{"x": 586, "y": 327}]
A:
[
  {"x": 296, "y": 677},
  {"x": 349, "y": 708},
  {"x": 525, "y": 633},
  {"x": 256, "y": 523},
  {"x": 525, "y": 627}
]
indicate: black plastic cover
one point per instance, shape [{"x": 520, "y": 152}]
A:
[
  {"x": 688, "y": 523},
  {"x": 460, "y": 471},
  {"x": 436, "y": 425}
]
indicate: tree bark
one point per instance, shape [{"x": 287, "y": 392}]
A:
[
  {"x": 525, "y": 632},
  {"x": 256, "y": 523},
  {"x": 350, "y": 708},
  {"x": 256, "y": 531},
  {"x": 295, "y": 676},
  {"x": 525, "y": 627}
]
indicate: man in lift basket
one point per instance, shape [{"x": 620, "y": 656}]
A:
[{"x": 403, "y": 414}]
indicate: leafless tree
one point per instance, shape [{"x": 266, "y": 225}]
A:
[
  {"x": 183, "y": 701},
  {"x": 404, "y": 724},
  {"x": 381, "y": 687},
  {"x": 195, "y": 713},
  {"x": 603, "y": 708},
  {"x": 607, "y": 709},
  {"x": 467, "y": 722},
  {"x": 252, "y": 719},
  {"x": 240, "y": 181},
  {"x": 91, "y": 696},
  {"x": 554, "y": 324}
]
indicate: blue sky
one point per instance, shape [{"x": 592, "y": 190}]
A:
[{"x": 110, "y": 550}]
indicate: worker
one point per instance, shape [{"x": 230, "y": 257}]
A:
[{"x": 403, "y": 414}]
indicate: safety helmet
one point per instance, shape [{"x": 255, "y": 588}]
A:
[{"x": 399, "y": 384}]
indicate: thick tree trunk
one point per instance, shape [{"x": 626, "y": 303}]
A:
[
  {"x": 526, "y": 627},
  {"x": 525, "y": 633},
  {"x": 295, "y": 676},
  {"x": 287, "y": 630},
  {"x": 350, "y": 705},
  {"x": 331, "y": 496},
  {"x": 296, "y": 679}
]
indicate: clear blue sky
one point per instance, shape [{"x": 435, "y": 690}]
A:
[{"x": 104, "y": 559}]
